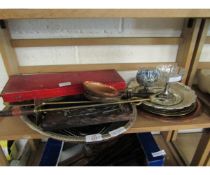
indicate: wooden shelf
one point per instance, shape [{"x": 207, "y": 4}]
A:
[
  {"x": 13, "y": 128},
  {"x": 96, "y": 41},
  {"x": 102, "y": 13},
  {"x": 147, "y": 124}
]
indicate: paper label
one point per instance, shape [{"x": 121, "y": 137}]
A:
[
  {"x": 117, "y": 131},
  {"x": 64, "y": 84},
  {"x": 159, "y": 153},
  {"x": 175, "y": 79},
  {"x": 93, "y": 138}
]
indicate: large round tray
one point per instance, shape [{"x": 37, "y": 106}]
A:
[{"x": 69, "y": 135}]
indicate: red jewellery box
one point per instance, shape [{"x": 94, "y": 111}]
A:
[{"x": 40, "y": 86}]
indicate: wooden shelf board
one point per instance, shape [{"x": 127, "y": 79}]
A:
[
  {"x": 207, "y": 41},
  {"x": 203, "y": 65},
  {"x": 12, "y": 128},
  {"x": 87, "y": 67},
  {"x": 96, "y": 41},
  {"x": 147, "y": 124},
  {"x": 102, "y": 13}
]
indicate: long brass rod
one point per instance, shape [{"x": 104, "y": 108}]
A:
[{"x": 93, "y": 105}]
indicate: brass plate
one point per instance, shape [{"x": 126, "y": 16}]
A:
[
  {"x": 174, "y": 98},
  {"x": 188, "y": 95}
]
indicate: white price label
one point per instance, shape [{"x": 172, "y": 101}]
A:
[
  {"x": 64, "y": 84},
  {"x": 159, "y": 153},
  {"x": 117, "y": 131},
  {"x": 93, "y": 138},
  {"x": 175, "y": 79}
]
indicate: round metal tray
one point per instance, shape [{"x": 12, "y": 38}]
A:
[{"x": 78, "y": 135}]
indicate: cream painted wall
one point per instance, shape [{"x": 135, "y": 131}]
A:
[
  {"x": 95, "y": 27},
  {"x": 205, "y": 54}
]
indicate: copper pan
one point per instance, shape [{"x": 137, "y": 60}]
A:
[{"x": 100, "y": 89}]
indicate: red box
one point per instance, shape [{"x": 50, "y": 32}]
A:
[{"x": 41, "y": 86}]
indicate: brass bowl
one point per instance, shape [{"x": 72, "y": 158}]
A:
[{"x": 100, "y": 89}]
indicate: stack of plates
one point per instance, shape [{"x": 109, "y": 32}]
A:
[{"x": 186, "y": 104}]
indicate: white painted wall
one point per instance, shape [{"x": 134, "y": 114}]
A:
[
  {"x": 95, "y": 54},
  {"x": 205, "y": 54},
  {"x": 94, "y": 27}
]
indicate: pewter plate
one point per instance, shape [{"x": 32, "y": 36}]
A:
[
  {"x": 170, "y": 113},
  {"x": 183, "y": 118}
]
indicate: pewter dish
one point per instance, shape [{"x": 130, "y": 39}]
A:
[
  {"x": 176, "y": 118},
  {"x": 170, "y": 113}
]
